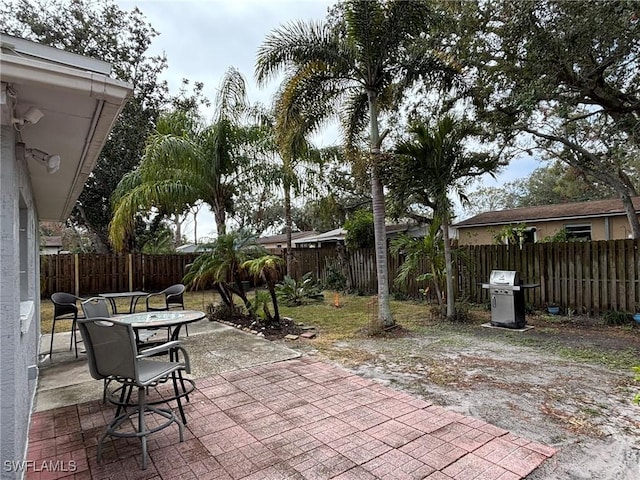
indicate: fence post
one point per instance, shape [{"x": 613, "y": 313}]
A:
[
  {"x": 76, "y": 271},
  {"x": 130, "y": 261}
]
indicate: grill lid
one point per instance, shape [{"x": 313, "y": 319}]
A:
[{"x": 504, "y": 278}]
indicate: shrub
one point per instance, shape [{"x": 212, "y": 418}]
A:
[
  {"x": 335, "y": 279},
  {"x": 615, "y": 317},
  {"x": 359, "y": 229},
  {"x": 293, "y": 293},
  {"x": 260, "y": 306},
  {"x": 221, "y": 311},
  {"x": 462, "y": 311}
]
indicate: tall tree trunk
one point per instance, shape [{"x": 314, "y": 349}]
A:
[
  {"x": 632, "y": 216},
  {"x": 449, "y": 267},
  {"x": 177, "y": 238},
  {"x": 287, "y": 223},
  {"x": 385, "y": 318},
  {"x": 221, "y": 220},
  {"x": 195, "y": 228}
]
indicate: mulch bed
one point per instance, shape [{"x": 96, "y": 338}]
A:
[{"x": 287, "y": 327}]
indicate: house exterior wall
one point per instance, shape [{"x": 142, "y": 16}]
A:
[
  {"x": 19, "y": 305},
  {"x": 603, "y": 228}
]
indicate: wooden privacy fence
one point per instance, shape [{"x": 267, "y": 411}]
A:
[
  {"x": 88, "y": 274},
  {"x": 588, "y": 277}
]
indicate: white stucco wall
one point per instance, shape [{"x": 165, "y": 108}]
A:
[{"x": 19, "y": 304}]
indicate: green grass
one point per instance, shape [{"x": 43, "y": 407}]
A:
[
  {"x": 352, "y": 320},
  {"x": 622, "y": 360}
]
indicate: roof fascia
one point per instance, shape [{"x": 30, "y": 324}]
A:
[{"x": 551, "y": 219}]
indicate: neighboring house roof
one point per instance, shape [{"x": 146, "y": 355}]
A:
[
  {"x": 283, "y": 237},
  {"x": 52, "y": 242},
  {"x": 338, "y": 234},
  {"x": 187, "y": 248},
  {"x": 79, "y": 103},
  {"x": 192, "y": 248},
  {"x": 330, "y": 236},
  {"x": 564, "y": 211}
]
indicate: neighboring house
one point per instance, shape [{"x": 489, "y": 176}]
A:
[
  {"x": 193, "y": 248},
  {"x": 334, "y": 237},
  {"x": 595, "y": 220},
  {"x": 278, "y": 242},
  {"x": 50, "y": 245},
  {"x": 57, "y": 111},
  {"x": 187, "y": 248}
]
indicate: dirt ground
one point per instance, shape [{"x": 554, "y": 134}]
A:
[{"x": 566, "y": 383}]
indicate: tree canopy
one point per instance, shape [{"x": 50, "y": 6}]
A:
[
  {"x": 101, "y": 30},
  {"x": 355, "y": 65},
  {"x": 197, "y": 164},
  {"x": 559, "y": 76}
]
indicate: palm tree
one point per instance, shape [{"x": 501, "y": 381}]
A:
[
  {"x": 267, "y": 268},
  {"x": 436, "y": 161},
  {"x": 184, "y": 163},
  {"x": 221, "y": 265},
  {"x": 353, "y": 67},
  {"x": 291, "y": 131},
  {"x": 429, "y": 248}
]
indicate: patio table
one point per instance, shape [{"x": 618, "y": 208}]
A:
[
  {"x": 134, "y": 296},
  {"x": 172, "y": 320}
]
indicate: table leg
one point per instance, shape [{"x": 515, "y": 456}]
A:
[
  {"x": 134, "y": 304},
  {"x": 114, "y": 307}
]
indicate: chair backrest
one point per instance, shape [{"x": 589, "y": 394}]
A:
[
  {"x": 174, "y": 295},
  {"x": 64, "y": 304},
  {"x": 111, "y": 348},
  {"x": 96, "y": 307}
]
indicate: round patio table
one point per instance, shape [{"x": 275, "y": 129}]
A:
[{"x": 172, "y": 320}]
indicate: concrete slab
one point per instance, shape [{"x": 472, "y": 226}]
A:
[{"x": 213, "y": 349}]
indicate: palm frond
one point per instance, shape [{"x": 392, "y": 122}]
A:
[
  {"x": 231, "y": 99},
  {"x": 295, "y": 43}
]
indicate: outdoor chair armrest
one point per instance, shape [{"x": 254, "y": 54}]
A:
[
  {"x": 165, "y": 347},
  {"x": 148, "y": 297},
  {"x": 169, "y": 346}
]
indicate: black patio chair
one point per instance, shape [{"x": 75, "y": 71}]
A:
[
  {"x": 170, "y": 298},
  {"x": 65, "y": 307},
  {"x": 95, "y": 307}
]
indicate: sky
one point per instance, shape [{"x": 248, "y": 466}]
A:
[{"x": 203, "y": 38}]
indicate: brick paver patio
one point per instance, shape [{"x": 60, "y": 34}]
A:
[{"x": 298, "y": 419}]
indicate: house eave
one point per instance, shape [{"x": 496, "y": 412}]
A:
[
  {"x": 545, "y": 219},
  {"x": 101, "y": 100}
]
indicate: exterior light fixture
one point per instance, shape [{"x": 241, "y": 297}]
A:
[
  {"x": 52, "y": 162},
  {"x": 30, "y": 117}
]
